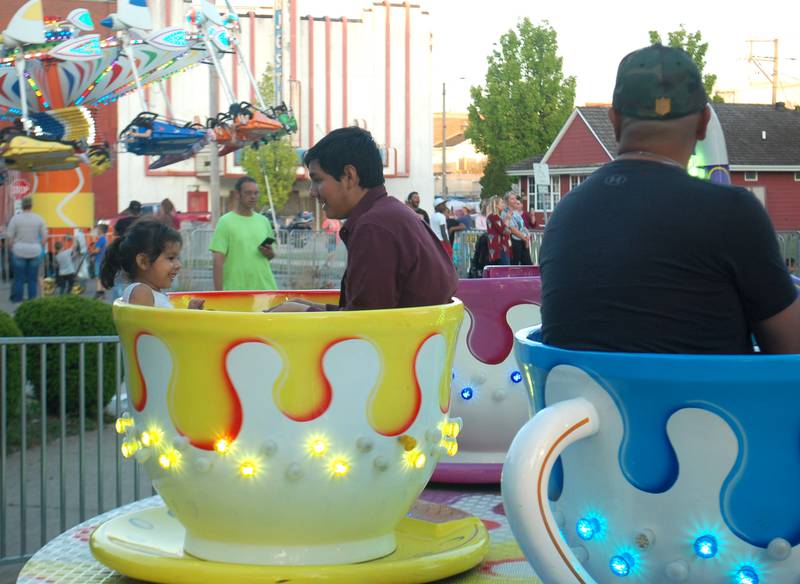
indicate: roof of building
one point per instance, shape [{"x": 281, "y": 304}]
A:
[
  {"x": 760, "y": 134},
  {"x": 526, "y": 164},
  {"x": 597, "y": 118},
  {"x": 756, "y": 134}
]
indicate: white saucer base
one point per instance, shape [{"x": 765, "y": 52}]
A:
[{"x": 351, "y": 552}]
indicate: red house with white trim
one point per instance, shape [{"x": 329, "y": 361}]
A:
[{"x": 763, "y": 148}]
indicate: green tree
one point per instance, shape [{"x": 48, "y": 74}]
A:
[
  {"x": 692, "y": 43},
  {"x": 278, "y": 159},
  {"x": 524, "y": 103}
]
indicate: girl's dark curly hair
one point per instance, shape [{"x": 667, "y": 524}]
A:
[{"x": 146, "y": 235}]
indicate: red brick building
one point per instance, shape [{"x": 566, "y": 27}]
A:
[{"x": 763, "y": 148}]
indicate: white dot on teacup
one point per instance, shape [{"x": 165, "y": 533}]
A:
[
  {"x": 581, "y": 553},
  {"x": 478, "y": 379},
  {"x": 202, "y": 464},
  {"x": 381, "y": 464},
  {"x": 433, "y": 435},
  {"x": 180, "y": 442},
  {"x": 269, "y": 448},
  {"x": 364, "y": 444},
  {"x": 294, "y": 472},
  {"x": 143, "y": 455},
  {"x": 779, "y": 549}
]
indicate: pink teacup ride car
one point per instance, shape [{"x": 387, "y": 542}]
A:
[{"x": 488, "y": 392}]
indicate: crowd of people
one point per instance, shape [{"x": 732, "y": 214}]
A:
[{"x": 648, "y": 288}]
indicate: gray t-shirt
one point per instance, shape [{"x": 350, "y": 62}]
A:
[
  {"x": 66, "y": 267},
  {"x": 28, "y": 231}
]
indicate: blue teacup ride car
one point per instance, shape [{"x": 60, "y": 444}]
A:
[{"x": 657, "y": 468}]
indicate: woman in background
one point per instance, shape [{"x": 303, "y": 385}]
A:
[{"x": 166, "y": 214}]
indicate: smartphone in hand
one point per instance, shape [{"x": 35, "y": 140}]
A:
[{"x": 267, "y": 241}]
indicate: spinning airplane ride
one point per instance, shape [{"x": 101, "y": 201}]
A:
[{"x": 55, "y": 72}]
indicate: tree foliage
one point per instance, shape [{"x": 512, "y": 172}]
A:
[
  {"x": 524, "y": 103},
  {"x": 278, "y": 159},
  {"x": 692, "y": 43}
]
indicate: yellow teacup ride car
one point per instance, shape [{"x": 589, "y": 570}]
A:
[{"x": 287, "y": 443}]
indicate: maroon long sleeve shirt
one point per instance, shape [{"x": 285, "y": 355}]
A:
[{"x": 393, "y": 258}]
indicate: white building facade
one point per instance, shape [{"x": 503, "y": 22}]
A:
[{"x": 373, "y": 70}]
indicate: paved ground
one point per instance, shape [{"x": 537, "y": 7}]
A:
[{"x": 8, "y": 574}]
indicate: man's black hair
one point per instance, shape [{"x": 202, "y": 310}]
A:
[
  {"x": 243, "y": 180},
  {"x": 353, "y": 146},
  {"x": 411, "y": 194}
]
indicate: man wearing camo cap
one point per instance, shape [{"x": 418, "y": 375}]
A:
[{"x": 642, "y": 257}]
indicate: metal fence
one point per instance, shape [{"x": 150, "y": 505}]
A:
[
  {"x": 303, "y": 260},
  {"x": 315, "y": 259},
  {"x": 60, "y": 460}
]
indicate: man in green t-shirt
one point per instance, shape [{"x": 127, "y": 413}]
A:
[{"x": 241, "y": 258}]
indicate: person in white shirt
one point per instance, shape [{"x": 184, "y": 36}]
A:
[
  {"x": 65, "y": 278},
  {"x": 438, "y": 219},
  {"x": 27, "y": 232}
]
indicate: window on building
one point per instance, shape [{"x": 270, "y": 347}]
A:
[
  {"x": 576, "y": 179},
  {"x": 555, "y": 189},
  {"x": 797, "y": 176},
  {"x": 751, "y": 176},
  {"x": 760, "y": 194},
  {"x": 544, "y": 198}
]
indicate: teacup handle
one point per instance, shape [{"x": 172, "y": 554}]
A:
[{"x": 526, "y": 476}]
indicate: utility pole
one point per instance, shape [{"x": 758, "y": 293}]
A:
[
  {"x": 213, "y": 151},
  {"x": 775, "y": 73},
  {"x": 444, "y": 140},
  {"x": 755, "y": 60}
]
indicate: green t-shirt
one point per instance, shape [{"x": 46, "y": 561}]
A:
[{"x": 238, "y": 238}]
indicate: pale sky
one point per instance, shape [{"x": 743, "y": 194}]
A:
[{"x": 594, "y": 36}]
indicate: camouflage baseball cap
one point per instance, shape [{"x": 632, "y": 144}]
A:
[{"x": 658, "y": 83}]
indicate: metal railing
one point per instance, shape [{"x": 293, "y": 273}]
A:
[
  {"x": 303, "y": 260},
  {"x": 60, "y": 460},
  {"x": 315, "y": 259}
]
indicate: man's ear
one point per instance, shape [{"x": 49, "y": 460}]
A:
[
  {"x": 616, "y": 122},
  {"x": 350, "y": 176},
  {"x": 702, "y": 123}
]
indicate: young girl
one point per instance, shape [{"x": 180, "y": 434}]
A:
[{"x": 148, "y": 255}]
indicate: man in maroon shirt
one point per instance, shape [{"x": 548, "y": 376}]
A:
[{"x": 393, "y": 259}]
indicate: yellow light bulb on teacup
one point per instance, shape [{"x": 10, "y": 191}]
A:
[
  {"x": 123, "y": 423},
  {"x": 222, "y": 445},
  {"x": 317, "y": 445},
  {"x": 415, "y": 458},
  {"x": 248, "y": 469},
  {"x": 150, "y": 437},
  {"x": 339, "y": 466},
  {"x": 129, "y": 448},
  {"x": 170, "y": 459}
]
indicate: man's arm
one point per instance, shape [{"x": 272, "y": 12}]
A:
[
  {"x": 780, "y": 333},
  {"x": 219, "y": 261}
]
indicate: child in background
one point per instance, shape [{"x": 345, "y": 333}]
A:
[
  {"x": 98, "y": 252},
  {"x": 65, "y": 266},
  {"x": 148, "y": 255}
]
